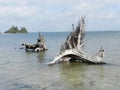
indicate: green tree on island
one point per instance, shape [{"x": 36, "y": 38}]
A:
[
  {"x": 14, "y": 29},
  {"x": 23, "y": 30}
]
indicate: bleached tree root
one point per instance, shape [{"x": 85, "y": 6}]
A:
[
  {"x": 38, "y": 47},
  {"x": 72, "y": 48}
]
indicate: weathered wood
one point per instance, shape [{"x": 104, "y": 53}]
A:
[
  {"x": 72, "y": 48},
  {"x": 39, "y": 46}
]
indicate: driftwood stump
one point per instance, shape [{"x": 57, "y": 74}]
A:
[
  {"x": 39, "y": 46},
  {"x": 71, "y": 49}
]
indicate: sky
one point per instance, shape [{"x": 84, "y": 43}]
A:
[{"x": 59, "y": 15}]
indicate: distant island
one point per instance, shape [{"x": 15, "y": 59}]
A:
[{"x": 14, "y": 29}]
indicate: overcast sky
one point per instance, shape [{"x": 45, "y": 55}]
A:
[{"x": 58, "y": 15}]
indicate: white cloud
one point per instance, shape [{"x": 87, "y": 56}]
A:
[
  {"x": 6, "y": 1},
  {"x": 16, "y": 8},
  {"x": 111, "y": 15},
  {"x": 58, "y": 13},
  {"x": 13, "y": 2},
  {"x": 113, "y": 1},
  {"x": 25, "y": 11}
]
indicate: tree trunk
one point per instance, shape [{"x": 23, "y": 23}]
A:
[
  {"x": 39, "y": 46},
  {"x": 72, "y": 48}
]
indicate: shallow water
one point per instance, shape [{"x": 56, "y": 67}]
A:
[{"x": 20, "y": 70}]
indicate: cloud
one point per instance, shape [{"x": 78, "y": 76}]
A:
[
  {"x": 13, "y": 2},
  {"x": 25, "y": 11},
  {"x": 53, "y": 14},
  {"x": 15, "y": 8}
]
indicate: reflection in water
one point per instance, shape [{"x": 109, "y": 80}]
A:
[
  {"x": 15, "y": 86},
  {"x": 73, "y": 75},
  {"x": 100, "y": 71},
  {"x": 78, "y": 76},
  {"x": 41, "y": 57}
]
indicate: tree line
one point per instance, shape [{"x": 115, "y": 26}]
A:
[{"x": 15, "y": 29}]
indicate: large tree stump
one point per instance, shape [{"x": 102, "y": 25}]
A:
[
  {"x": 72, "y": 48},
  {"x": 39, "y": 46}
]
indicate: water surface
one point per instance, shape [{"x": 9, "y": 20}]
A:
[{"x": 20, "y": 70}]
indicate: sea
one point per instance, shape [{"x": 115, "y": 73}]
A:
[{"x": 21, "y": 70}]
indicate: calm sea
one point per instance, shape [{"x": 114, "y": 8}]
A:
[{"x": 20, "y": 70}]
